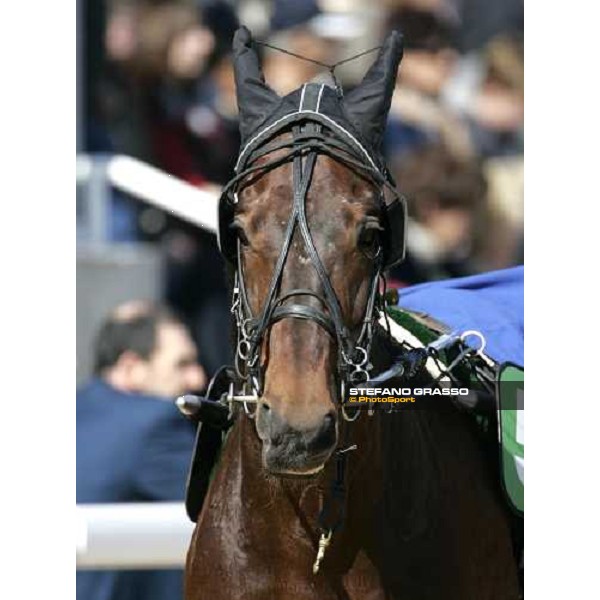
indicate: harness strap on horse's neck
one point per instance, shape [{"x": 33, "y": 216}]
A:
[{"x": 333, "y": 510}]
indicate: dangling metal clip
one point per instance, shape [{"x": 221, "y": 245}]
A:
[{"x": 324, "y": 542}]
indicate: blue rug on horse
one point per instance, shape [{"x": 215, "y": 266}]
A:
[{"x": 490, "y": 302}]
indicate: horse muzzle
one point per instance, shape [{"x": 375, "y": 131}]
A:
[{"x": 295, "y": 449}]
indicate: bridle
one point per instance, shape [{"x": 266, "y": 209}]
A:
[
  {"x": 349, "y": 129},
  {"x": 312, "y": 134}
]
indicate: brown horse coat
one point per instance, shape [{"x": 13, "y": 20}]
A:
[
  {"x": 424, "y": 520},
  {"x": 423, "y": 515}
]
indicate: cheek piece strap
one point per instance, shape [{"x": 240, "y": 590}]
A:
[{"x": 353, "y": 351}]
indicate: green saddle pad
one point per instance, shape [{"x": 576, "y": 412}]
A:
[{"x": 510, "y": 392}]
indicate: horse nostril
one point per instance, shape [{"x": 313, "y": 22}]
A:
[
  {"x": 324, "y": 437},
  {"x": 329, "y": 422},
  {"x": 265, "y": 406}
]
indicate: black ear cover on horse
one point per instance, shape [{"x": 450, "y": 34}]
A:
[
  {"x": 368, "y": 104},
  {"x": 367, "y": 107},
  {"x": 255, "y": 99}
]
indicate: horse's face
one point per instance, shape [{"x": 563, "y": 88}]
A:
[{"x": 296, "y": 417}]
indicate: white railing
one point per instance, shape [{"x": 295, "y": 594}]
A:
[
  {"x": 145, "y": 182},
  {"x": 132, "y": 535}
]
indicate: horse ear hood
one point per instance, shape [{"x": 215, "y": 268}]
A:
[
  {"x": 255, "y": 99},
  {"x": 368, "y": 104}
]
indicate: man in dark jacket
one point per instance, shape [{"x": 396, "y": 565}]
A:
[{"x": 132, "y": 444}]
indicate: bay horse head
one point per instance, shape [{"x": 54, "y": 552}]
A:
[{"x": 309, "y": 226}]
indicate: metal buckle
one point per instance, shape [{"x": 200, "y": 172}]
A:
[
  {"x": 446, "y": 341},
  {"x": 345, "y": 415}
]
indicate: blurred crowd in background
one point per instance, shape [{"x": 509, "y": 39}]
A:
[{"x": 156, "y": 83}]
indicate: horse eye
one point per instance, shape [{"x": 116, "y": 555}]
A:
[
  {"x": 369, "y": 239},
  {"x": 237, "y": 228}
]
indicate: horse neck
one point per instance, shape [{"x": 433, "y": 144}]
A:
[
  {"x": 248, "y": 497},
  {"x": 406, "y": 443},
  {"x": 242, "y": 480}
]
